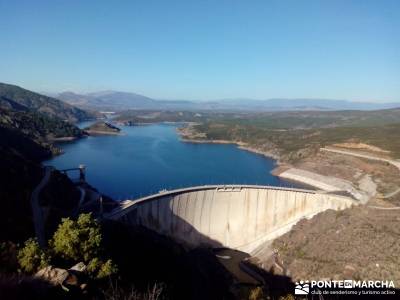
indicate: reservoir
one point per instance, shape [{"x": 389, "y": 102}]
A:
[{"x": 147, "y": 159}]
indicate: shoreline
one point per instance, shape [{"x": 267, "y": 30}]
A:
[
  {"x": 281, "y": 170},
  {"x": 125, "y": 123},
  {"x": 184, "y": 137},
  {"x": 240, "y": 145},
  {"x": 278, "y": 171},
  {"x": 64, "y": 139},
  {"x": 99, "y": 132}
]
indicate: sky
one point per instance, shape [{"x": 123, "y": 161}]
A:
[{"x": 205, "y": 49}]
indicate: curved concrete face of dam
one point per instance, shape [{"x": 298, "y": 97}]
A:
[{"x": 237, "y": 217}]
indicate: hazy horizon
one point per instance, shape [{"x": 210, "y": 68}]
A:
[
  {"x": 206, "y": 50},
  {"x": 214, "y": 99}
]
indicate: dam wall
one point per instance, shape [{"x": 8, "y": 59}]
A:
[{"x": 238, "y": 217}]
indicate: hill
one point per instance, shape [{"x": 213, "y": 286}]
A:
[
  {"x": 28, "y": 123},
  {"x": 17, "y": 98},
  {"x": 117, "y": 101},
  {"x": 20, "y": 173},
  {"x": 37, "y": 126},
  {"x": 108, "y": 100},
  {"x": 295, "y": 135}
]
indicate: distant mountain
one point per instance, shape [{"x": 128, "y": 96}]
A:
[
  {"x": 108, "y": 100},
  {"x": 297, "y": 104},
  {"x": 19, "y": 99},
  {"x": 117, "y": 101}
]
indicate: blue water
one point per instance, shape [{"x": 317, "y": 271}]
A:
[{"x": 147, "y": 159}]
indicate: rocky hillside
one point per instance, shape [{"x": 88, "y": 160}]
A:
[
  {"x": 19, "y": 99},
  {"x": 24, "y": 143},
  {"x": 360, "y": 243},
  {"x": 38, "y": 127}
]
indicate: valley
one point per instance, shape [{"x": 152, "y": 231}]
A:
[{"x": 349, "y": 155}]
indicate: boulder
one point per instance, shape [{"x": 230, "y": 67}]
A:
[{"x": 55, "y": 276}]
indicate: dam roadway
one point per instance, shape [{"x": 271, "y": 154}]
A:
[{"x": 241, "y": 217}]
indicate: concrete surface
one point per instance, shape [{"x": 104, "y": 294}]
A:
[
  {"x": 237, "y": 217},
  {"x": 37, "y": 212}
]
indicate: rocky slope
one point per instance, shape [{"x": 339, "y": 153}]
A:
[
  {"x": 25, "y": 135},
  {"x": 360, "y": 243},
  {"x": 37, "y": 126},
  {"x": 19, "y": 99}
]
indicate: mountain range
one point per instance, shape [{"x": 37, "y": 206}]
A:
[{"x": 117, "y": 101}]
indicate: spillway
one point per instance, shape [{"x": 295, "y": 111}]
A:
[{"x": 237, "y": 217}]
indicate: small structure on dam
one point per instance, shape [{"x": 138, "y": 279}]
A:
[{"x": 237, "y": 217}]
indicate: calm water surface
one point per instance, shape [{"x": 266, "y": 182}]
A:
[{"x": 147, "y": 159}]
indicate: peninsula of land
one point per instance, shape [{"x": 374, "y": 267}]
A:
[{"x": 103, "y": 128}]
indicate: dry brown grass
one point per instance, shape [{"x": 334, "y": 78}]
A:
[{"x": 115, "y": 292}]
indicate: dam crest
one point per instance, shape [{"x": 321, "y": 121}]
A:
[{"x": 240, "y": 217}]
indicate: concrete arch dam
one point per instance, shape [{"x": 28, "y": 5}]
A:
[{"x": 237, "y": 217}]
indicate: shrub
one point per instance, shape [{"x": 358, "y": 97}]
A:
[
  {"x": 77, "y": 240},
  {"x": 256, "y": 294},
  {"x": 80, "y": 240},
  {"x": 73, "y": 242},
  {"x": 31, "y": 257},
  {"x": 100, "y": 269},
  {"x": 107, "y": 269}
]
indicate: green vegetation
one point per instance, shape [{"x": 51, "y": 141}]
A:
[
  {"x": 73, "y": 242},
  {"x": 269, "y": 120},
  {"x": 290, "y": 135},
  {"x": 77, "y": 240},
  {"x": 28, "y": 124},
  {"x": 32, "y": 258},
  {"x": 22, "y": 148},
  {"x": 37, "y": 127},
  {"x": 295, "y": 144},
  {"x": 151, "y": 116},
  {"x": 80, "y": 241}
]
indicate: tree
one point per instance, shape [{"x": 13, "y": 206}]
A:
[
  {"x": 80, "y": 240},
  {"x": 31, "y": 257},
  {"x": 77, "y": 240}
]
